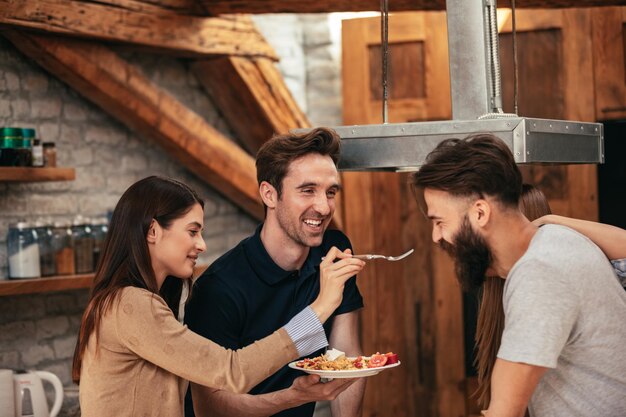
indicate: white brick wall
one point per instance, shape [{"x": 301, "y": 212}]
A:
[{"x": 308, "y": 63}]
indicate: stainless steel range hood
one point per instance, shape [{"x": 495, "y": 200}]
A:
[
  {"x": 475, "y": 85},
  {"x": 404, "y": 146}
]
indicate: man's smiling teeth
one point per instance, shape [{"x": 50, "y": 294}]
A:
[{"x": 313, "y": 222}]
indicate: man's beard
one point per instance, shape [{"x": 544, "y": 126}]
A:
[
  {"x": 293, "y": 229},
  {"x": 472, "y": 257}
]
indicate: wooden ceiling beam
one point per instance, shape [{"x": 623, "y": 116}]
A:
[
  {"x": 252, "y": 96},
  {"x": 189, "y": 7},
  {"x": 140, "y": 24},
  {"x": 124, "y": 92},
  {"x": 217, "y": 7}
]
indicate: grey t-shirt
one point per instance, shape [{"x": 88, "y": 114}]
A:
[{"x": 565, "y": 310}]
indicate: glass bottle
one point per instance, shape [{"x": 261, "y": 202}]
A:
[
  {"x": 23, "y": 251},
  {"x": 37, "y": 147},
  {"x": 25, "y": 152},
  {"x": 99, "y": 229},
  {"x": 47, "y": 262},
  {"x": 83, "y": 245},
  {"x": 63, "y": 248},
  {"x": 49, "y": 154}
]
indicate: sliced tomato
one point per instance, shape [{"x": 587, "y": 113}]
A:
[
  {"x": 377, "y": 360},
  {"x": 391, "y": 358}
]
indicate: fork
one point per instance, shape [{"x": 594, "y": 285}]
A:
[{"x": 387, "y": 258}]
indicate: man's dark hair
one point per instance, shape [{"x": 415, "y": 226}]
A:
[
  {"x": 480, "y": 165},
  {"x": 274, "y": 157}
]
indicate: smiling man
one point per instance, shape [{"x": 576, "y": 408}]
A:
[
  {"x": 564, "y": 339},
  {"x": 259, "y": 285}
]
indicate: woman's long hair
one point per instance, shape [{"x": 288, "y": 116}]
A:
[
  {"x": 125, "y": 259},
  {"x": 490, "y": 325}
]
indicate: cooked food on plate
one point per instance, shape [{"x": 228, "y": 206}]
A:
[{"x": 335, "y": 360}]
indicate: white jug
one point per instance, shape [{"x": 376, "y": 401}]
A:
[{"x": 29, "y": 395}]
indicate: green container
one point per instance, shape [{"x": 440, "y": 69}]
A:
[
  {"x": 28, "y": 134},
  {"x": 11, "y": 133},
  {"x": 10, "y": 141},
  {"x": 15, "y": 150}
]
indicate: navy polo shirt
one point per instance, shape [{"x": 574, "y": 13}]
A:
[{"x": 244, "y": 296}]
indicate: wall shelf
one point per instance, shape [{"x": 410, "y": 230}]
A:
[
  {"x": 43, "y": 285},
  {"x": 59, "y": 283},
  {"x": 33, "y": 174}
]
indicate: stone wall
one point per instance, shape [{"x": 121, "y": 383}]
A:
[
  {"x": 323, "y": 71},
  {"x": 309, "y": 62},
  {"x": 39, "y": 331}
]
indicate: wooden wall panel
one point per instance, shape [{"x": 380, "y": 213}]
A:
[
  {"x": 412, "y": 307},
  {"x": 427, "y": 70},
  {"x": 555, "y": 81},
  {"x": 405, "y": 58},
  {"x": 609, "y": 55},
  {"x": 539, "y": 52}
]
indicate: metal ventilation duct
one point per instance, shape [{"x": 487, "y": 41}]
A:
[{"x": 474, "y": 76}]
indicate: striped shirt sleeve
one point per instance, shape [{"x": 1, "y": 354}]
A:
[
  {"x": 620, "y": 269},
  {"x": 307, "y": 332}
]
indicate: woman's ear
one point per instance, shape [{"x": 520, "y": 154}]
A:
[
  {"x": 153, "y": 231},
  {"x": 269, "y": 195}
]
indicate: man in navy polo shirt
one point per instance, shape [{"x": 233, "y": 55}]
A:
[{"x": 259, "y": 285}]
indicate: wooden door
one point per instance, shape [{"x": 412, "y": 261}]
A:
[
  {"x": 412, "y": 307},
  {"x": 609, "y": 56},
  {"x": 556, "y": 80}
]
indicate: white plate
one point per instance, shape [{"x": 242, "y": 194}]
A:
[{"x": 354, "y": 373}]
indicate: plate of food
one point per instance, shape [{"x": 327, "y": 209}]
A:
[{"x": 335, "y": 364}]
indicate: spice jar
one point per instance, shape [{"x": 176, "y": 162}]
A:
[
  {"x": 49, "y": 154},
  {"x": 25, "y": 152},
  {"x": 63, "y": 248},
  {"x": 99, "y": 230},
  {"x": 83, "y": 246},
  {"x": 36, "y": 149},
  {"x": 10, "y": 143},
  {"x": 47, "y": 262},
  {"x": 23, "y": 251}
]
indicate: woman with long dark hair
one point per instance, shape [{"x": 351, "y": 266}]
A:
[{"x": 133, "y": 357}]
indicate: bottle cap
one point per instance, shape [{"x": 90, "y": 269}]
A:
[{"x": 20, "y": 225}]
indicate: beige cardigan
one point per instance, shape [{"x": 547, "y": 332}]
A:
[{"x": 144, "y": 358}]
